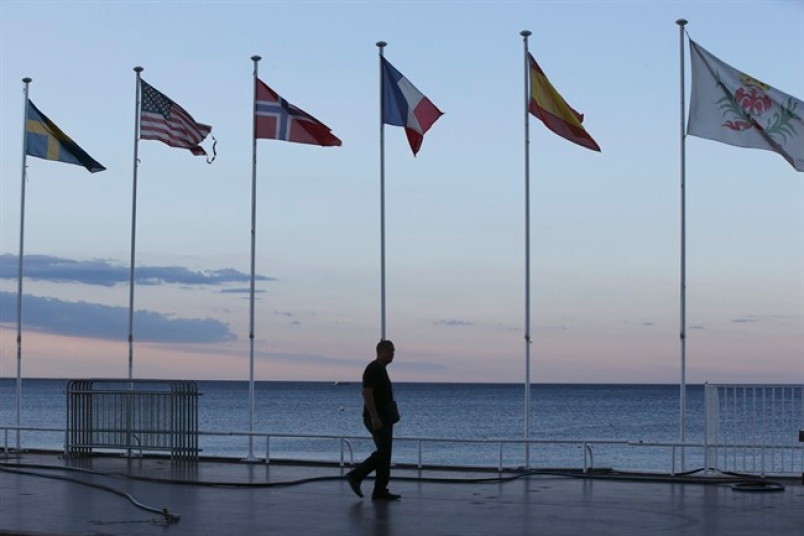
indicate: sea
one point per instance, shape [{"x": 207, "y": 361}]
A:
[{"x": 625, "y": 427}]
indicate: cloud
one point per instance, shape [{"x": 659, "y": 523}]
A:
[
  {"x": 749, "y": 319},
  {"x": 315, "y": 360},
  {"x": 108, "y": 273},
  {"x": 240, "y": 291},
  {"x": 92, "y": 320},
  {"x": 453, "y": 323},
  {"x": 309, "y": 360},
  {"x": 777, "y": 320}
]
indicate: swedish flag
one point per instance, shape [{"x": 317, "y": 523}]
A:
[{"x": 46, "y": 140}]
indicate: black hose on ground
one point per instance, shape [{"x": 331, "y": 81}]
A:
[
  {"x": 738, "y": 482},
  {"x": 167, "y": 517}
]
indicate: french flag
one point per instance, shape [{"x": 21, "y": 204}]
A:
[{"x": 405, "y": 106}]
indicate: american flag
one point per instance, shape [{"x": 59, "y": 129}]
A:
[
  {"x": 164, "y": 120},
  {"x": 277, "y": 119}
]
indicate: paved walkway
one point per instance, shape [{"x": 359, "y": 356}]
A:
[{"x": 232, "y": 498}]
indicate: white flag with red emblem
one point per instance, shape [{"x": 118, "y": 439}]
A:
[{"x": 732, "y": 107}]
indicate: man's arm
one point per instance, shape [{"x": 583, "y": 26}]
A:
[{"x": 368, "y": 398}]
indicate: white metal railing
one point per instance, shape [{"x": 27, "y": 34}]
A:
[
  {"x": 580, "y": 453},
  {"x": 149, "y": 415},
  {"x": 747, "y": 429},
  {"x": 754, "y": 429}
]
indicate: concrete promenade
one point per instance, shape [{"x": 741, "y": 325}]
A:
[{"x": 43, "y": 494}]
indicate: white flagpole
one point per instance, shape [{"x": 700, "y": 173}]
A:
[
  {"x": 525, "y": 34},
  {"x": 137, "y": 118},
  {"x": 683, "y": 331},
  {"x": 256, "y": 59},
  {"x": 381, "y": 45},
  {"x": 27, "y": 82}
]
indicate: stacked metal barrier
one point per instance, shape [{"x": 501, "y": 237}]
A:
[{"x": 132, "y": 415}]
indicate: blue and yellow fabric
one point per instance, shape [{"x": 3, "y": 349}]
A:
[{"x": 46, "y": 140}]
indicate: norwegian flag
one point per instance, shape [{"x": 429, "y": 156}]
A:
[{"x": 277, "y": 119}]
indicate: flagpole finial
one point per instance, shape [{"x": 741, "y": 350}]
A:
[
  {"x": 381, "y": 44},
  {"x": 525, "y": 33},
  {"x": 681, "y": 22},
  {"x": 256, "y": 57},
  {"x": 138, "y": 69},
  {"x": 27, "y": 80}
]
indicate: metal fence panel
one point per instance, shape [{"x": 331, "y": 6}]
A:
[
  {"x": 755, "y": 428},
  {"x": 133, "y": 415}
]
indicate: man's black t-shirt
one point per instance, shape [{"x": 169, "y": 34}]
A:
[{"x": 376, "y": 377}]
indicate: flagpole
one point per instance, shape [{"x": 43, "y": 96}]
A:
[
  {"x": 256, "y": 59},
  {"x": 525, "y": 34},
  {"x": 27, "y": 81},
  {"x": 381, "y": 45},
  {"x": 137, "y": 118},
  {"x": 683, "y": 299}
]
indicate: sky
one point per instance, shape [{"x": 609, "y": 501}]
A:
[{"x": 605, "y": 228}]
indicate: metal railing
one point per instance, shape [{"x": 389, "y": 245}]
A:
[
  {"x": 748, "y": 429},
  {"x": 132, "y": 415},
  {"x": 346, "y": 443},
  {"x": 754, "y": 429},
  {"x": 578, "y": 454}
]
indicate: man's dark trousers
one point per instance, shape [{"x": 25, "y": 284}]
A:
[{"x": 380, "y": 459}]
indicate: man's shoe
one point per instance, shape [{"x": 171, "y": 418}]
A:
[
  {"x": 354, "y": 483},
  {"x": 385, "y": 496}
]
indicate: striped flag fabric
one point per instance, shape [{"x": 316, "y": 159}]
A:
[
  {"x": 43, "y": 139},
  {"x": 549, "y": 106},
  {"x": 405, "y": 106},
  {"x": 277, "y": 119},
  {"x": 163, "y": 120}
]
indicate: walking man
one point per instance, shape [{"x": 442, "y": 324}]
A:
[{"x": 379, "y": 416}]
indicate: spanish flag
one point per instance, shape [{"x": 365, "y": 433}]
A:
[{"x": 553, "y": 110}]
